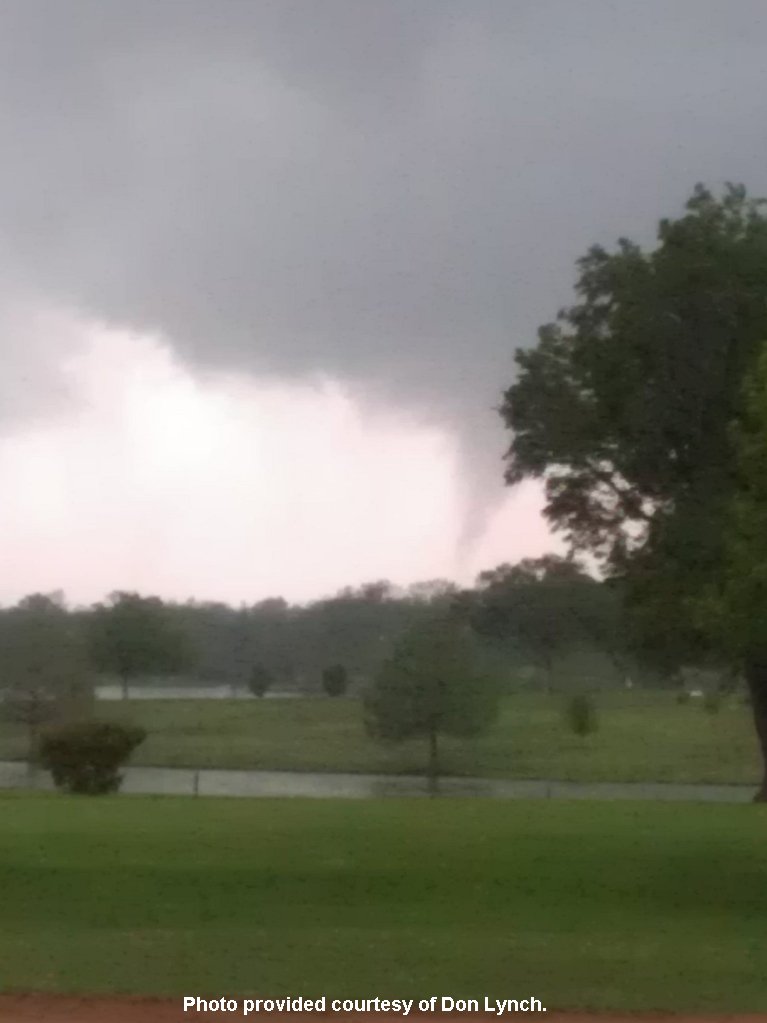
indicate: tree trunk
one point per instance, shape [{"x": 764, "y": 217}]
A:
[
  {"x": 31, "y": 751},
  {"x": 124, "y": 679},
  {"x": 433, "y": 766},
  {"x": 756, "y": 678}
]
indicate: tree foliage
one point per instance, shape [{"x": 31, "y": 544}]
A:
[
  {"x": 737, "y": 609},
  {"x": 45, "y": 674},
  {"x": 625, "y": 408},
  {"x": 625, "y": 404},
  {"x": 547, "y": 606},
  {"x": 85, "y": 757},
  {"x": 132, "y": 635},
  {"x": 260, "y": 680},
  {"x": 357, "y": 628},
  {"x": 430, "y": 687},
  {"x": 42, "y": 646},
  {"x": 734, "y": 608}
]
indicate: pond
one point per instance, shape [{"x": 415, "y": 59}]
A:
[{"x": 113, "y": 691}]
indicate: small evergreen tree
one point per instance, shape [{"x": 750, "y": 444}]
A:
[
  {"x": 581, "y": 714},
  {"x": 260, "y": 681}
]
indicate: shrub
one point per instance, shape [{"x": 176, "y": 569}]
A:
[
  {"x": 335, "y": 680},
  {"x": 683, "y": 696},
  {"x": 581, "y": 714},
  {"x": 85, "y": 757},
  {"x": 260, "y": 681}
]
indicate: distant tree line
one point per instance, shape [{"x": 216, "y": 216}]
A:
[{"x": 530, "y": 620}]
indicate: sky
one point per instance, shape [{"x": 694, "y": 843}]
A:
[{"x": 264, "y": 265}]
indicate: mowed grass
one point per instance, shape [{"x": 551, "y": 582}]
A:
[
  {"x": 584, "y": 905},
  {"x": 643, "y": 736}
]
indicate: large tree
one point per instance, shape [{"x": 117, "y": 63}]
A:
[
  {"x": 45, "y": 675},
  {"x": 546, "y": 607},
  {"x": 625, "y": 409},
  {"x": 735, "y": 606},
  {"x": 132, "y": 635},
  {"x": 431, "y": 686},
  {"x": 522, "y": 603}
]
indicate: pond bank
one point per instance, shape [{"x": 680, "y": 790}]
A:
[{"x": 180, "y": 781}]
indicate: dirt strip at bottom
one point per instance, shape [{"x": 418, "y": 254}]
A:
[{"x": 39, "y": 1008}]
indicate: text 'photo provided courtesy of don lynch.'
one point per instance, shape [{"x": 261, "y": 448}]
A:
[{"x": 393, "y": 1006}]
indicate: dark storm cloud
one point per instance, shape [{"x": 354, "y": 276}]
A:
[{"x": 388, "y": 191}]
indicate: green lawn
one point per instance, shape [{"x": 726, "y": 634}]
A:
[
  {"x": 644, "y": 736},
  {"x": 629, "y": 906}
]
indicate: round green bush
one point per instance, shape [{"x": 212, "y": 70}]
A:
[{"x": 85, "y": 757}]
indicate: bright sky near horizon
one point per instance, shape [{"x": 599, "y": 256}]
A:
[{"x": 148, "y": 476}]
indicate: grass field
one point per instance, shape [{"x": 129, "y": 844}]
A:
[
  {"x": 643, "y": 736},
  {"x": 629, "y": 906}
]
